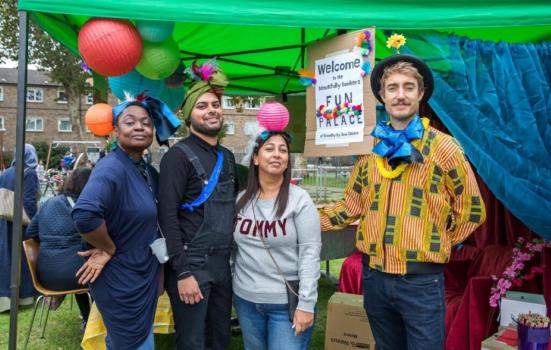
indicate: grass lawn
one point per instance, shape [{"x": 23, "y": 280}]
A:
[{"x": 63, "y": 333}]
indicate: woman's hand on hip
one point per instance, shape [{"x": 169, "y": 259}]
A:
[
  {"x": 97, "y": 259},
  {"x": 189, "y": 290},
  {"x": 302, "y": 321}
]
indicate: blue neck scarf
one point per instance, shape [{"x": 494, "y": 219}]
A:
[{"x": 395, "y": 145}]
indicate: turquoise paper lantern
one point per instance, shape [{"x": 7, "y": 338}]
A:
[
  {"x": 173, "y": 97},
  {"x": 134, "y": 84},
  {"x": 154, "y": 31},
  {"x": 159, "y": 60}
]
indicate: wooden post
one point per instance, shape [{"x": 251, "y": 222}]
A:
[{"x": 48, "y": 157}]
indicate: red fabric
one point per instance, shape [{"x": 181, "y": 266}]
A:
[
  {"x": 350, "y": 280},
  {"x": 509, "y": 337}
]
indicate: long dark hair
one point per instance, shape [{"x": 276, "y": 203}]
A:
[{"x": 253, "y": 182}]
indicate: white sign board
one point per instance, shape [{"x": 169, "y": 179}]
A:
[{"x": 339, "y": 99}]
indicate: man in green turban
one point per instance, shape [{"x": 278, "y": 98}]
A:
[{"x": 197, "y": 191}]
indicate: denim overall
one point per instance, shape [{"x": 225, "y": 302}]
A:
[{"x": 206, "y": 325}]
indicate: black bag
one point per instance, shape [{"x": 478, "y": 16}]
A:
[{"x": 292, "y": 297}]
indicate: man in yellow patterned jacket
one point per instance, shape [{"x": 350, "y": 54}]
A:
[{"x": 415, "y": 197}]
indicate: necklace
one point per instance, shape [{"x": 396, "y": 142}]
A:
[{"x": 392, "y": 174}]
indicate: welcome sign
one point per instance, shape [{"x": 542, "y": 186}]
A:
[
  {"x": 339, "y": 99},
  {"x": 340, "y": 108}
]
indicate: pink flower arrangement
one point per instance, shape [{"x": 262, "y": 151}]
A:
[{"x": 513, "y": 274}]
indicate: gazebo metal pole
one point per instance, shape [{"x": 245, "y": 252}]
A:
[{"x": 18, "y": 197}]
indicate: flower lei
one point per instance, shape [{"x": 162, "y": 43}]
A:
[
  {"x": 394, "y": 173},
  {"x": 522, "y": 253}
]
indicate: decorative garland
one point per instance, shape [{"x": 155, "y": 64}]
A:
[
  {"x": 339, "y": 110},
  {"x": 392, "y": 174},
  {"x": 364, "y": 45}
]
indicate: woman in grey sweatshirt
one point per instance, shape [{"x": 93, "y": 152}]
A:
[{"x": 275, "y": 217}]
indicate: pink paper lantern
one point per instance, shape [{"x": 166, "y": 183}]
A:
[
  {"x": 273, "y": 116},
  {"x": 111, "y": 47}
]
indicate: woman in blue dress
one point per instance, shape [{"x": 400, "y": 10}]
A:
[
  {"x": 30, "y": 197},
  {"x": 60, "y": 242},
  {"x": 116, "y": 214}
]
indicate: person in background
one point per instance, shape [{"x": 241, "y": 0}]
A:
[
  {"x": 116, "y": 214},
  {"x": 30, "y": 198},
  {"x": 58, "y": 261}
]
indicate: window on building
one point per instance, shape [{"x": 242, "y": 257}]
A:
[
  {"x": 230, "y": 127},
  {"x": 35, "y": 124},
  {"x": 1, "y": 93},
  {"x": 227, "y": 102},
  {"x": 250, "y": 128},
  {"x": 2, "y": 126},
  {"x": 35, "y": 95},
  {"x": 253, "y": 102},
  {"x": 89, "y": 98},
  {"x": 61, "y": 96},
  {"x": 64, "y": 125}
]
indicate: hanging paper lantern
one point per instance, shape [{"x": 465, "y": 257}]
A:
[
  {"x": 154, "y": 31},
  {"x": 273, "y": 116},
  {"x": 173, "y": 97},
  {"x": 99, "y": 119},
  {"x": 159, "y": 60},
  {"x": 111, "y": 47},
  {"x": 134, "y": 84}
]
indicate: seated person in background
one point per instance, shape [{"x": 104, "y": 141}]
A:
[{"x": 58, "y": 261}]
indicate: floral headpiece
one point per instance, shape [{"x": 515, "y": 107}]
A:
[{"x": 207, "y": 76}]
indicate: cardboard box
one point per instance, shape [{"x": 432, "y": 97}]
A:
[
  {"x": 492, "y": 343},
  {"x": 516, "y": 303},
  {"x": 347, "y": 326}
]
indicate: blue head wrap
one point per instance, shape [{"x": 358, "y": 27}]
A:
[{"x": 166, "y": 122}]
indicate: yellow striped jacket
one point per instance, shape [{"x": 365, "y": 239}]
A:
[{"x": 416, "y": 217}]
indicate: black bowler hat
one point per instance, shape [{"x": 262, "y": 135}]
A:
[{"x": 424, "y": 70}]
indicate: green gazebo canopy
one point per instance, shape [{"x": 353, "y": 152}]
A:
[{"x": 260, "y": 44}]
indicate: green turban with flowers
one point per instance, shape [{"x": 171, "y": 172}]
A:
[{"x": 206, "y": 77}]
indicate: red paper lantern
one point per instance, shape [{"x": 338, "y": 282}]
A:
[
  {"x": 99, "y": 119},
  {"x": 111, "y": 47}
]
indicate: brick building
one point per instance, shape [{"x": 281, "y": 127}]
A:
[{"x": 48, "y": 116}]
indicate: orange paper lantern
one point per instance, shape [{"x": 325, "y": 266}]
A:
[
  {"x": 99, "y": 119},
  {"x": 111, "y": 47}
]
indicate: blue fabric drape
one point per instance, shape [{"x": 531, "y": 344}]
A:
[{"x": 495, "y": 99}]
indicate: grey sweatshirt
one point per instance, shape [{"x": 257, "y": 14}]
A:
[{"x": 294, "y": 240}]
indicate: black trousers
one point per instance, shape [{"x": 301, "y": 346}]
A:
[{"x": 205, "y": 325}]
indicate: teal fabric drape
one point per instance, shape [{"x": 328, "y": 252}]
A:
[{"x": 495, "y": 99}]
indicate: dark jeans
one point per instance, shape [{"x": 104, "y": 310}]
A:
[
  {"x": 405, "y": 311},
  {"x": 206, "y": 325}
]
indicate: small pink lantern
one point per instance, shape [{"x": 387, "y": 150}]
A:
[{"x": 273, "y": 116}]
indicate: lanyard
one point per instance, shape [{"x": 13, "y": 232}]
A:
[{"x": 209, "y": 188}]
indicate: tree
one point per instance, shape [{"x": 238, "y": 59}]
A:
[{"x": 50, "y": 56}]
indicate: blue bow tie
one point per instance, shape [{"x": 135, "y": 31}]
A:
[{"x": 395, "y": 144}]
